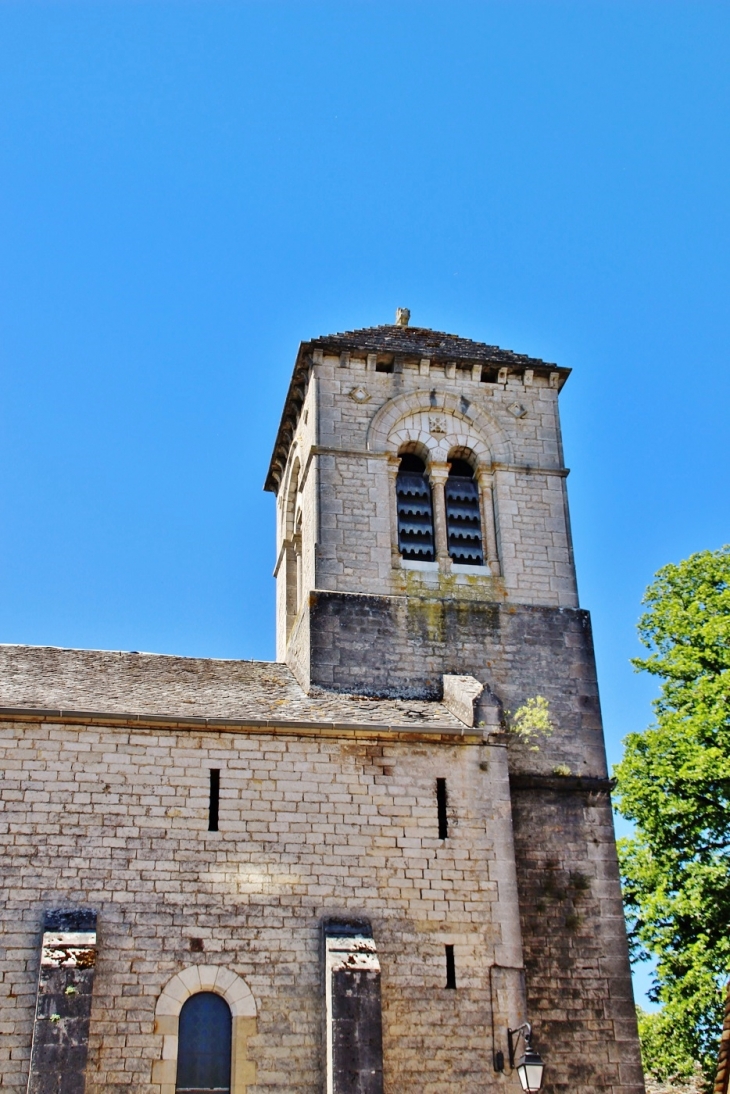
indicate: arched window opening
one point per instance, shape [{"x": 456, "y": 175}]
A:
[
  {"x": 298, "y": 558},
  {"x": 463, "y": 518},
  {"x": 291, "y": 565},
  {"x": 204, "y": 1040},
  {"x": 415, "y": 510}
]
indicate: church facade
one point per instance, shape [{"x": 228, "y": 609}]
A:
[{"x": 384, "y": 862}]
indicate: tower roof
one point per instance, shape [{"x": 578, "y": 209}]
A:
[
  {"x": 421, "y": 342},
  {"x": 400, "y": 342}
]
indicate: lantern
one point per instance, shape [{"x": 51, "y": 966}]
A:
[{"x": 529, "y": 1065}]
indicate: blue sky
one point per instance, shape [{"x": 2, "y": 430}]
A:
[{"x": 190, "y": 189}]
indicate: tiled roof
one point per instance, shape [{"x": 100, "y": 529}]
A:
[
  {"x": 100, "y": 682},
  {"x": 422, "y": 342}
]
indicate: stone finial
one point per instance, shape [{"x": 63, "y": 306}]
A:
[
  {"x": 472, "y": 703},
  {"x": 489, "y": 712},
  {"x": 402, "y": 315}
]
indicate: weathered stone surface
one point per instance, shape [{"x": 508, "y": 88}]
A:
[
  {"x": 353, "y": 1012},
  {"x": 388, "y": 646},
  {"x": 461, "y": 695},
  {"x": 63, "y": 1005},
  {"x": 577, "y": 973}
]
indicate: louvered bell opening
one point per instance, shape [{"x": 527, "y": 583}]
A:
[
  {"x": 415, "y": 516},
  {"x": 463, "y": 521}
]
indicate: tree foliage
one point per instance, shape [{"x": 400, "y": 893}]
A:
[{"x": 674, "y": 784}]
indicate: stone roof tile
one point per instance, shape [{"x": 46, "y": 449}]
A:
[
  {"x": 422, "y": 342},
  {"x": 158, "y": 685}
]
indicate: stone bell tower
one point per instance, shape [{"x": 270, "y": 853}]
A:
[
  {"x": 370, "y": 581},
  {"x": 422, "y": 532}
]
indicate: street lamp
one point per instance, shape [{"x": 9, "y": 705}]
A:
[{"x": 530, "y": 1067}]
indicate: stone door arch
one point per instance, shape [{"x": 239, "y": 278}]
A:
[{"x": 237, "y": 994}]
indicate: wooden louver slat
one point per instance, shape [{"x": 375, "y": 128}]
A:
[
  {"x": 415, "y": 517},
  {"x": 463, "y": 521}
]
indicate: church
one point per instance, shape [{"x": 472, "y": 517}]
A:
[{"x": 384, "y": 863}]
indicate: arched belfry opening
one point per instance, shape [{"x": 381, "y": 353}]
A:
[
  {"x": 463, "y": 515},
  {"x": 415, "y": 510}
]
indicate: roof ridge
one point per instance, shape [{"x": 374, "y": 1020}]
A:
[
  {"x": 139, "y": 653},
  {"x": 442, "y": 342},
  {"x": 405, "y": 331}
]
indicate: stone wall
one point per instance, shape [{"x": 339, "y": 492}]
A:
[
  {"x": 116, "y": 820},
  {"x": 403, "y": 645},
  {"x": 297, "y": 522},
  {"x": 579, "y": 993}
]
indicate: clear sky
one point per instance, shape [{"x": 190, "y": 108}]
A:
[{"x": 187, "y": 190}]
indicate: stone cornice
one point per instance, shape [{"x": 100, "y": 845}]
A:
[
  {"x": 562, "y": 784},
  {"x": 289, "y": 727},
  {"x": 363, "y": 453}
]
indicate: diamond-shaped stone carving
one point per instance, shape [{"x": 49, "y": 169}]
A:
[
  {"x": 360, "y": 395},
  {"x": 517, "y": 410}
]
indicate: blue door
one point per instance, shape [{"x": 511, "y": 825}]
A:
[{"x": 204, "y": 1046}]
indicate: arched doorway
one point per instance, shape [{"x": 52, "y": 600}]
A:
[{"x": 204, "y": 1052}]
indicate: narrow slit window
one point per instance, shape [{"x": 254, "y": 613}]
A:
[
  {"x": 415, "y": 511},
  {"x": 450, "y": 968},
  {"x": 214, "y": 802},
  {"x": 463, "y": 516},
  {"x": 441, "y": 807}
]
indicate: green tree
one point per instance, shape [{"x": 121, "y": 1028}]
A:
[{"x": 674, "y": 784}]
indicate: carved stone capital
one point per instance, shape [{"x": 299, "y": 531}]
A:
[
  {"x": 393, "y": 464},
  {"x": 484, "y": 477},
  {"x": 438, "y": 473}
]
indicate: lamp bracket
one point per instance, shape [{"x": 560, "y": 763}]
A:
[{"x": 513, "y": 1039}]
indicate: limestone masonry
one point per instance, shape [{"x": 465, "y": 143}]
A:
[{"x": 339, "y": 873}]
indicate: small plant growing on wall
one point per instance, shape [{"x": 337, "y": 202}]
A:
[{"x": 531, "y": 723}]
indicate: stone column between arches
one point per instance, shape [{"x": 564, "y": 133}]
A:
[
  {"x": 393, "y": 465},
  {"x": 238, "y": 995},
  {"x": 438, "y": 473},
  {"x": 489, "y": 531}
]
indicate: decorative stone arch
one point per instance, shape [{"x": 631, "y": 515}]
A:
[
  {"x": 237, "y": 994},
  {"x": 439, "y": 424},
  {"x": 290, "y": 546},
  {"x": 406, "y": 418},
  {"x": 463, "y": 452},
  {"x": 413, "y": 430},
  {"x": 290, "y": 487}
]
